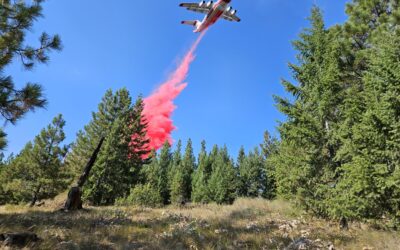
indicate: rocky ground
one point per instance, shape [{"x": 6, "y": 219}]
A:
[{"x": 248, "y": 224}]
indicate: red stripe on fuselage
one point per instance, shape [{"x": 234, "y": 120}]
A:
[{"x": 212, "y": 17}]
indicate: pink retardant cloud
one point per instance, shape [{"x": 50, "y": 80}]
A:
[{"x": 159, "y": 107}]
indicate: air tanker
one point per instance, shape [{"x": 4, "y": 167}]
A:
[{"x": 213, "y": 11}]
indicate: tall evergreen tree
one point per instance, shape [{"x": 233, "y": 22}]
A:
[
  {"x": 181, "y": 187},
  {"x": 165, "y": 163},
  {"x": 16, "y": 18},
  {"x": 339, "y": 143},
  {"x": 223, "y": 181},
  {"x": 306, "y": 163},
  {"x": 269, "y": 149},
  {"x": 200, "y": 193},
  {"x": 124, "y": 152},
  {"x": 37, "y": 172},
  {"x": 112, "y": 106},
  {"x": 252, "y": 175},
  {"x": 175, "y": 163},
  {"x": 371, "y": 180}
]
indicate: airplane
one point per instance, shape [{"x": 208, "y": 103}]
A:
[{"x": 214, "y": 11}]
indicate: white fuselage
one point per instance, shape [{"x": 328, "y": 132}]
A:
[{"x": 213, "y": 16}]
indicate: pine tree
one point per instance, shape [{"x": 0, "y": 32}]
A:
[
  {"x": 147, "y": 193},
  {"x": 110, "y": 108},
  {"x": 17, "y": 18},
  {"x": 122, "y": 156},
  {"x": 371, "y": 180},
  {"x": 223, "y": 182},
  {"x": 269, "y": 149},
  {"x": 240, "y": 166},
  {"x": 38, "y": 172},
  {"x": 110, "y": 178},
  {"x": 175, "y": 163},
  {"x": 181, "y": 187},
  {"x": 252, "y": 177},
  {"x": 138, "y": 144},
  {"x": 164, "y": 163},
  {"x": 306, "y": 163},
  {"x": 200, "y": 192}
]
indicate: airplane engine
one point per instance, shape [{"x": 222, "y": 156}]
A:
[
  {"x": 229, "y": 9},
  {"x": 210, "y": 4},
  {"x": 202, "y": 3},
  {"x": 233, "y": 12}
]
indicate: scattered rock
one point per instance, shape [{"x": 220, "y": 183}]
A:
[
  {"x": 305, "y": 233},
  {"x": 241, "y": 244},
  {"x": 220, "y": 231},
  {"x": 368, "y": 248},
  {"x": 40, "y": 204},
  {"x": 253, "y": 226},
  {"x": 67, "y": 245},
  {"x": 300, "y": 244},
  {"x": 285, "y": 228}
]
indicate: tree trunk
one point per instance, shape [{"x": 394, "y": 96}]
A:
[
  {"x": 74, "y": 200},
  {"x": 35, "y": 196}
]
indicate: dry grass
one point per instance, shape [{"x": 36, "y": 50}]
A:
[{"x": 247, "y": 224}]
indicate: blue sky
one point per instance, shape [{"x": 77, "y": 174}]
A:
[{"x": 135, "y": 44}]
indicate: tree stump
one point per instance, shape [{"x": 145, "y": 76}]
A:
[{"x": 74, "y": 200}]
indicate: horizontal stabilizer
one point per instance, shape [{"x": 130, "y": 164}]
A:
[{"x": 192, "y": 23}]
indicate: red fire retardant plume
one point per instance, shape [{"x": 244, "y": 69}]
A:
[{"x": 158, "y": 107}]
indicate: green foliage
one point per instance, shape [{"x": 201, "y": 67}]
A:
[
  {"x": 338, "y": 154},
  {"x": 16, "y": 18},
  {"x": 269, "y": 149},
  {"x": 110, "y": 108},
  {"x": 143, "y": 195},
  {"x": 156, "y": 173},
  {"x": 200, "y": 192},
  {"x": 371, "y": 180},
  {"x": 306, "y": 160},
  {"x": 223, "y": 180},
  {"x": 38, "y": 171},
  {"x": 120, "y": 159},
  {"x": 181, "y": 186},
  {"x": 252, "y": 174}
]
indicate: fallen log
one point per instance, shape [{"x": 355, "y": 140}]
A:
[{"x": 18, "y": 239}]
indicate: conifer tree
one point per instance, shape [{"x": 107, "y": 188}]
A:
[
  {"x": 337, "y": 150},
  {"x": 181, "y": 187},
  {"x": 240, "y": 166},
  {"x": 138, "y": 144},
  {"x": 252, "y": 177},
  {"x": 17, "y": 17},
  {"x": 112, "y": 106},
  {"x": 223, "y": 181},
  {"x": 306, "y": 164},
  {"x": 175, "y": 163},
  {"x": 37, "y": 172},
  {"x": 200, "y": 193},
  {"x": 269, "y": 149},
  {"x": 122, "y": 156},
  {"x": 370, "y": 183},
  {"x": 164, "y": 165}
]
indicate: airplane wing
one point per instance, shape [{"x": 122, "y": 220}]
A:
[
  {"x": 228, "y": 15},
  {"x": 196, "y": 7}
]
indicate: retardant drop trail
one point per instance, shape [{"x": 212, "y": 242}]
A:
[{"x": 159, "y": 106}]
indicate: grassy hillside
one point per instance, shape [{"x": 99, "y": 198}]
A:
[{"x": 247, "y": 224}]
